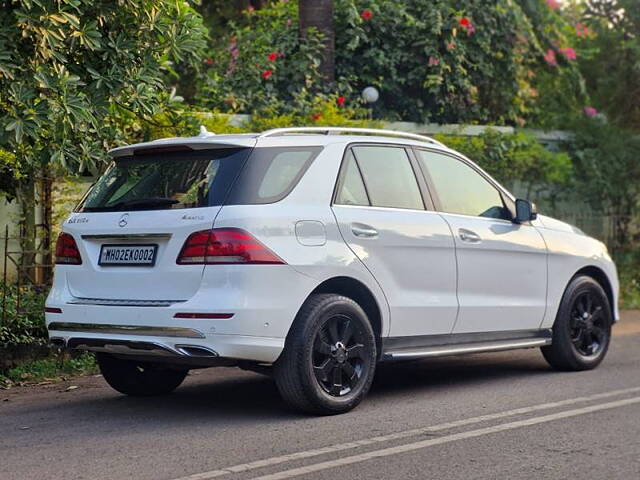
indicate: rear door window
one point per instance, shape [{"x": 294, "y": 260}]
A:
[{"x": 388, "y": 177}]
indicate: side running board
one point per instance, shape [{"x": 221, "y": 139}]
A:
[{"x": 497, "y": 345}]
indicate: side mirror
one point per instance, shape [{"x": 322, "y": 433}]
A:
[{"x": 525, "y": 211}]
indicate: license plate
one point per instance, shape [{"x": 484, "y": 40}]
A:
[{"x": 128, "y": 255}]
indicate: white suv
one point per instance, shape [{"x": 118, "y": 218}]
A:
[{"x": 313, "y": 254}]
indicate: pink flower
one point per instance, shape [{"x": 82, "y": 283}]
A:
[
  {"x": 433, "y": 61},
  {"x": 451, "y": 46},
  {"x": 471, "y": 29},
  {"x": 590, "y": 111},
  {"x": 568, "y": 53},
  {"x": 366, "y": 14},
  {"x": 289, "y": 22},
  {"x": 550, "y": 58},
  {"x": 554, "y": 4},
  {"x": 250, "y": 9},
  {"x": 582, "y": 30}
]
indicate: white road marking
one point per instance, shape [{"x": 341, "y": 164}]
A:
[
  {"x": 268, "y": 462},
  {"x": 386, "y": 452}
]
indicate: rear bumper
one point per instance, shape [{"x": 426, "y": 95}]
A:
[
  {"x": 255, "y": 306},
  {"x": 163, "y": 341}
]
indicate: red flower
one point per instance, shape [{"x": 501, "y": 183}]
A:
[
  {"x": 316, "y": 116},
  {"x": 340, "y": 101},
  {"x": 466, "y": 24},
  {"x": 366, "y": 14},
  {"x": 273, "y": 56},
  {"x": 208, "y": 61},
  {"x": 266, "y": 74}
]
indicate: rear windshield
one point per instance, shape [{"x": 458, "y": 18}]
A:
[{"x": 191, "y": 179}]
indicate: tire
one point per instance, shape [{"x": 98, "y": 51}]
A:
[
  {"x": 329, "y": 359},
  {"x": 139, "y": 379},
  {"x": 582, "y": 330}
]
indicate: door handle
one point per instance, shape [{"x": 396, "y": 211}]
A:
[
  {"x": 469, "y": 236},
  {"x": 364, "y": 231}
]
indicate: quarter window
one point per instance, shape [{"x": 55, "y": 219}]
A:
[
  {"x": 388, "y": 177},
  {"x": 351, "y": 190},
  {"x": 461, "y": 189}
]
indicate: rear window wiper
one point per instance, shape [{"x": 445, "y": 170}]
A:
[{"x": 134, "y": 203}]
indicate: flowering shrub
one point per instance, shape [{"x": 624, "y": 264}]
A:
[
  {"x": 446, "y": 61},
  {"x": 261, "y": 63}
]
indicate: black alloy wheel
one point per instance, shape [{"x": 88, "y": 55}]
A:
[
  {"x": 340, "y": 355},
  {"x": 588, "y": 325},
  {"x": 582, "y": 330},
  {"x": 330, "y": 356}
]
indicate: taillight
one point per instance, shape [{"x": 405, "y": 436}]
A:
[
  {"x": 67, "y": 252},
  {"x": 225, "y": 246}
]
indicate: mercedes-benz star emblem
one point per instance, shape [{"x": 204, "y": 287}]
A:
[{"x": 123, "y": 220}]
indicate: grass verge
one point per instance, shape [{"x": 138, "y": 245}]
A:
[{"x": 53, "y": 368}]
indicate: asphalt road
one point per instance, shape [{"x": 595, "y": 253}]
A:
[{"x": 503, "y": 415}]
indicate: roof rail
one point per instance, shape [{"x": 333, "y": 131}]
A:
[{"x": 328, "y": 130}]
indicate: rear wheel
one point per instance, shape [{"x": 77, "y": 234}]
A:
[
  {"x": 582, "y": 330},
  {"x": 329, "y": 359},
  {"x": 139, "y": 379}
]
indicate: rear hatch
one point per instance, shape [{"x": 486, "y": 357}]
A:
[{"x": 132, "y": 224}]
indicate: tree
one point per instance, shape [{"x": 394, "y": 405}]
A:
[
  {"x": 607, "y": 171},
  {"x": 73, "y": 72},
  {"x": 612, "y": 71},
  {"x": 318, "y": 14}
]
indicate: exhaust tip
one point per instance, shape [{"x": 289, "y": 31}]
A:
[{"x": 196, "y": 351}]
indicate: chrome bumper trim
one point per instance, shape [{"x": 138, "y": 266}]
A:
[
  {"x": 126, "y": 236},
  {"x": 111, "y": 302},
  {"x": 126, "y": 330}
]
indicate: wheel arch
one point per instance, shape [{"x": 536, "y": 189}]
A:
[
  {"x": 601, "y": 277},
  {"x": 359, "y": 293}
]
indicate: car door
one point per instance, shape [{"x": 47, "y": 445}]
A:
[
  {"x": 502, "y": 265},
  {"x": 381, "y": 213}
]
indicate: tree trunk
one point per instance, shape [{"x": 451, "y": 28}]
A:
[
  {"x": 319, "y": 14},
  {"x": 46, "y": 275},
  {"x": 27, "y": 198}
]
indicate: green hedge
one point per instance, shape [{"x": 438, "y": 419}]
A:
[{"x": 24, "y": 323}]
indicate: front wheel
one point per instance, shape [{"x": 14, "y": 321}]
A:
[
  {"x": 139, "y": 379},
  {"x": 582, "y": 330},
  {"x": 329, "y": 358}
]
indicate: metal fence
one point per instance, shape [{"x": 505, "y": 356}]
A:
[{"x": 34, "y": 270}]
